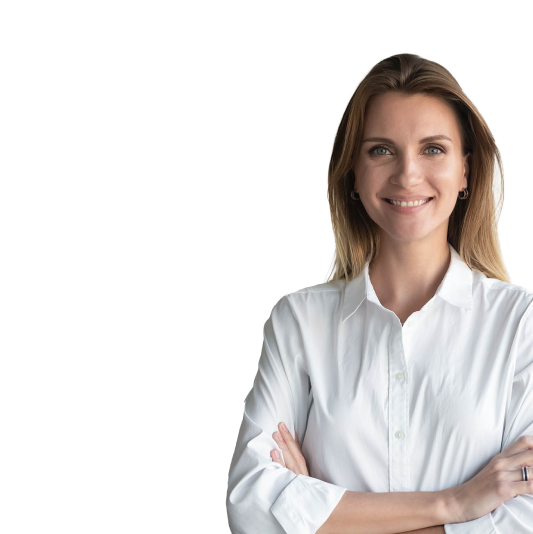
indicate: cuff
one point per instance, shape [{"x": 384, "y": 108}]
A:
[
  {"x": 305, "y": 504},
  {"x": 481, "y": 525}
]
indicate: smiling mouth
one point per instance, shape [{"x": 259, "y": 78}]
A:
[{"x": 390, "y": 201}]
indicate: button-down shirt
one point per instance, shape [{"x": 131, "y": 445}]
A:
[{"x": 380, "y": 406}]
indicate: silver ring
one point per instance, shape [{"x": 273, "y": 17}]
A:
[{"x": 525, "y": 475}]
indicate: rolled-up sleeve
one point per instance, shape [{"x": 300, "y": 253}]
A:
[
  {"x": 514, "y": 516},
  {"x": 263, "y": 496}
]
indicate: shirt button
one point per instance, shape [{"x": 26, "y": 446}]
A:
[
  {"x": 399, "y": 434},
  {"x": 399, "y": 376}
]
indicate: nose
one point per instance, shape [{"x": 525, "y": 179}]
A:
[{"x": 409, "y": 171}]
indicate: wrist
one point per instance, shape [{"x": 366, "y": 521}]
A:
[{"x": 447, "y": 506}]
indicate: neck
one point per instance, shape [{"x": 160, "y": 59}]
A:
[{"x": 405, "y": 275}]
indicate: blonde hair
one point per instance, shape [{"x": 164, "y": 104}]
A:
[{"x": 472, "y": 228}]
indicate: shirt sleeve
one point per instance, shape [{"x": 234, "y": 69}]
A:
[
  {"x": 264, "y": 497},
  {"x": 514, "y": 516}
]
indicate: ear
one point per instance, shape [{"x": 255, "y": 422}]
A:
[
  {"x": 351, "y": 175},
  {"x": 466, "y": 166}
]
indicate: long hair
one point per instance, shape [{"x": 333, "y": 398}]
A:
[{"x": 472, "y": 228}]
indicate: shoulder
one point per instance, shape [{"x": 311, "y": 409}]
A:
[
  {"x": 493, "y": 292},
  {"x": 309, "y": 301},
  {"x": 319, "y": 293}
]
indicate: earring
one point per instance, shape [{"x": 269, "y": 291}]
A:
[
  {"x": 353, "y": 193},
  {"x": 465, "y": 191}
]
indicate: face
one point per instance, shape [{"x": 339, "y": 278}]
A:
[{"x": 406, "y": 165}]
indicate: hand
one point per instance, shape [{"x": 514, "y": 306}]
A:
[
  {"x": 498, "y": 481},
  {"x": 292, "y": 454}
]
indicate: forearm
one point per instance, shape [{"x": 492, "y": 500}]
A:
[
  {"x": 439, "y": 529},
  {"x": 388, "y": 513}
]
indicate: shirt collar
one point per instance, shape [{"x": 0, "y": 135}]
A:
[{"x": 455, "y": 288}]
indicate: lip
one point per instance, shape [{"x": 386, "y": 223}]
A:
[
  {"x": 408, "y": 198},
  {"x": 407, "y": 209}
]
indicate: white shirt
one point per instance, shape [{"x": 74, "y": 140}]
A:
[{"x": 381, "y": 407}]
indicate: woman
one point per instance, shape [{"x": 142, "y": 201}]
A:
[{"x": 406, "y": 380}]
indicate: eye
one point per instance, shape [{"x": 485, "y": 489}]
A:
[{"x": 372, "y": 153}]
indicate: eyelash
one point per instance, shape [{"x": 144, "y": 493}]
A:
[{"x": 371, "y": 151}]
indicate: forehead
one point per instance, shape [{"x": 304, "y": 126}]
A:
[{"x": 394, "y": 114}]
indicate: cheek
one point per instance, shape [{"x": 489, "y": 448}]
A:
[
  {"x": 446, "y": 174},
  {"x": 371, "y": 182}
]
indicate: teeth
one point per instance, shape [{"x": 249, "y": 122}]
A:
[{"x": 410, "y": 203}]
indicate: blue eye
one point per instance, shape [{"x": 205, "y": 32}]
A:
[{"x": 372, "y": 153}]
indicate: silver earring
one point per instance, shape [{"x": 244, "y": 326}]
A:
[
  {"x": 465, "y": 191},
  {"x": 353, "y": 193}
]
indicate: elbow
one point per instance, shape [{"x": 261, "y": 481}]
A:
[
  {"x": 238, "y": 521},
  {"x": 235, "y": 511},
  {"x": 249, "y": 513}
]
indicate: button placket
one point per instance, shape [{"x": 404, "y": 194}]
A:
[{"x": 399, "y": 416}]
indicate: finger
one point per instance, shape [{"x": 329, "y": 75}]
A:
[
  {"x": 294, "y": 449},
  {"x": 290, "y": 462},
  {"x": 276, "y": 457},
  {"x": 522, "y": 486},
  {"x": 517, "y": 461},
  {"x": 516, "y": 475},
  {"x": 291, "y": 455},
  {"x": 523, "y": 443},
  {"x": 296, "y": 439}
]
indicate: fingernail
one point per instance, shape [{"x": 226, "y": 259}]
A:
[
  {"x": 276, "y": 454},
  {"x": 283, "y": 426},
  {"x": 279, "y": 436}
]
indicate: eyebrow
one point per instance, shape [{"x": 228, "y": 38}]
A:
[{"x": 431, "y": 138}]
